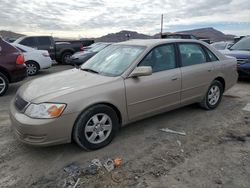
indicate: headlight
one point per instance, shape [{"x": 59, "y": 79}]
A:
[{"x": 45, "y": 110}]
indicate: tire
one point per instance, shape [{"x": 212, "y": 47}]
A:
[
  {"x": 213, "y": 96},
  {"x": 32, "y": 68},
  {"x": 90, "y": 133},
  {"x": 4, "y": 84},
  {"x": 65, "y": 57}
]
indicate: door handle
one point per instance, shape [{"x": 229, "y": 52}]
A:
[{"x": 174, "y": 78}]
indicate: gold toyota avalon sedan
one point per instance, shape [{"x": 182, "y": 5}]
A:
[{"x": 123, "y": 83}]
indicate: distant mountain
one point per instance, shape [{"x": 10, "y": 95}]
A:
[
  {"x": 209, "y": 33},
  {"x": 10, "y": 35},
  {"x": 122, "y": 36}
]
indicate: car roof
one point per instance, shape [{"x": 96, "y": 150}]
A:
[{"x": 153, "y": 42}]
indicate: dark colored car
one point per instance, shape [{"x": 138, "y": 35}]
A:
[
  {"x": 59, "y": 51},
  {"x": 241, "y": 51},
  {"x": 12, "y": 67},
  {"x": 81, "y": 57}
]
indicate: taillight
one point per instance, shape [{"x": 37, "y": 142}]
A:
[
  {"x": 45, "y": 54},
  {"x": 20, "y": 59},
  {"x": 82, "y": 48}
]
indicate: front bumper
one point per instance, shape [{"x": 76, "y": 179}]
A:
[
  {"x": 244, "y": 70},
  {"x": 41, "y": 132}
]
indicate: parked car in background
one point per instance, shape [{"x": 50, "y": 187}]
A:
[
  {"x": 81, "y": 57},
  {"x": 90, "y": 46},
  {"x": 222, "y": 45},
  {"x": 121, "y": 84},
  {"x": 35, "y": 60},
  {"x": 12, "y": 67},
  {"x": 241, "y": 51},
  {"x": 59, "y": 51}
]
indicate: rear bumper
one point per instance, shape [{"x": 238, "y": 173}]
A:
[{"x": 18, "y": 73}]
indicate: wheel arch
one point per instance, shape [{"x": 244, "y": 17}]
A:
[
  {"x": 5, "y": 73},
  {"x": 117, "y": 111},
  {"x": 222, "y": 81}
]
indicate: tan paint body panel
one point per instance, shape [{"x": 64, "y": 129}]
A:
[{"x": 135, "y": 98}]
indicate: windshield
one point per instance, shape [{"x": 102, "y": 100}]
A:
[
  {"x": 243, "y": 44},
  {"x": 98, "y": 47},
  {"x": 219, "y": 45},
  {"x": 113, "y": 60}
]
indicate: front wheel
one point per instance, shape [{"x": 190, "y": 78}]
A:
[
  {"x": 213, "y": 96},
  {"x": 96, "y": 127}
]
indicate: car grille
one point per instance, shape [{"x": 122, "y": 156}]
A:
[{"x": 20, "y": 103}]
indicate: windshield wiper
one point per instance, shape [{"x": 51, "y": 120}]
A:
[{"x": 90, "y": 70}]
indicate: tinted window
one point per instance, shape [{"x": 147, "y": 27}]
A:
[
  {"x": 212, "y": 57},
  {"x": 43, "y": 41},
  {"x": 191, "y": 54},
  {"x": 160, "y": 58},
  {"x": 28, "y": 42}
]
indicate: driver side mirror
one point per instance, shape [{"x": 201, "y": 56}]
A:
[{"x": 141, "y": 71}]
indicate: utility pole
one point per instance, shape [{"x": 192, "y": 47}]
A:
[{"x": 161, "y": 24}]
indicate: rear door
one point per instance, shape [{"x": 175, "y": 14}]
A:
[
  {"x": 197, "y": 72},
  {"x": 46, "y": 43},
  {"x": 158, "y": 92}
]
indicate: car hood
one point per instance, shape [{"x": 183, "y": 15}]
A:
[
  {"x": 46, "y": 88},
  {"x": 239, "y": 54}
]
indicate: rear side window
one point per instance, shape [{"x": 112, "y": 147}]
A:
[
  {"x": 191, "y": 54},
  {"x": 160, "y": 58},
  {"x": 211, "y": 56},
  {"x": 28, "y": 42},
  {"x": 43, "y": 41}
]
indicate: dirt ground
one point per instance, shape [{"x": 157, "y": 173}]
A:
[{"x": 214, "y": 153}]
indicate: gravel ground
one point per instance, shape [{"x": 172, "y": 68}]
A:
[{"x": 214, "y": 153}]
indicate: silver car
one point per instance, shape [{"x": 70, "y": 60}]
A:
[{"x": 123, "y": 83}]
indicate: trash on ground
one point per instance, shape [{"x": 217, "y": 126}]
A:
[
  {"x": 97, "y": 162},
  {"x": 172, "y": 131},
  {"x": 117, "y": 162},
  {"x": 247, "y": 107},
  {"x": 109, "y": 165},
  {"x": 92, "y": 169},
  {"x": 72, "y": 168},
  {"x": 76, "y": 183}
]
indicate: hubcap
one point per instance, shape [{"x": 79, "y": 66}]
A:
[
  {"x": 2, "y": 84},
  {"x": 213, "y": 95},
  {"x": 98, "y": 128},
  {"x": 66, "y": 58},
  {"x": 31, "y": 69}
]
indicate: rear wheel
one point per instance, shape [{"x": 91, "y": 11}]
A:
[
  {"x": 213, "y": 96},
  {"x": 4, "y": 84},
  {"x": 66, "y": 57},
  {"x": 32, "y": 68},
  {"x": 96, "y": 127}
]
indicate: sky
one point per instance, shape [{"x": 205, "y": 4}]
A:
[{"x": 94, "y": 18}]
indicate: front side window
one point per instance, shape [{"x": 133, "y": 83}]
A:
[
  {"x": 191, "y": 54},
  {"x": 28, "y": 42},
  {"x": 113, "y": 60},
  {"x": 160, "y": 58}
]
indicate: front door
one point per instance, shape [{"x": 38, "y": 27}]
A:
[{"x": 158, "y": 92}]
